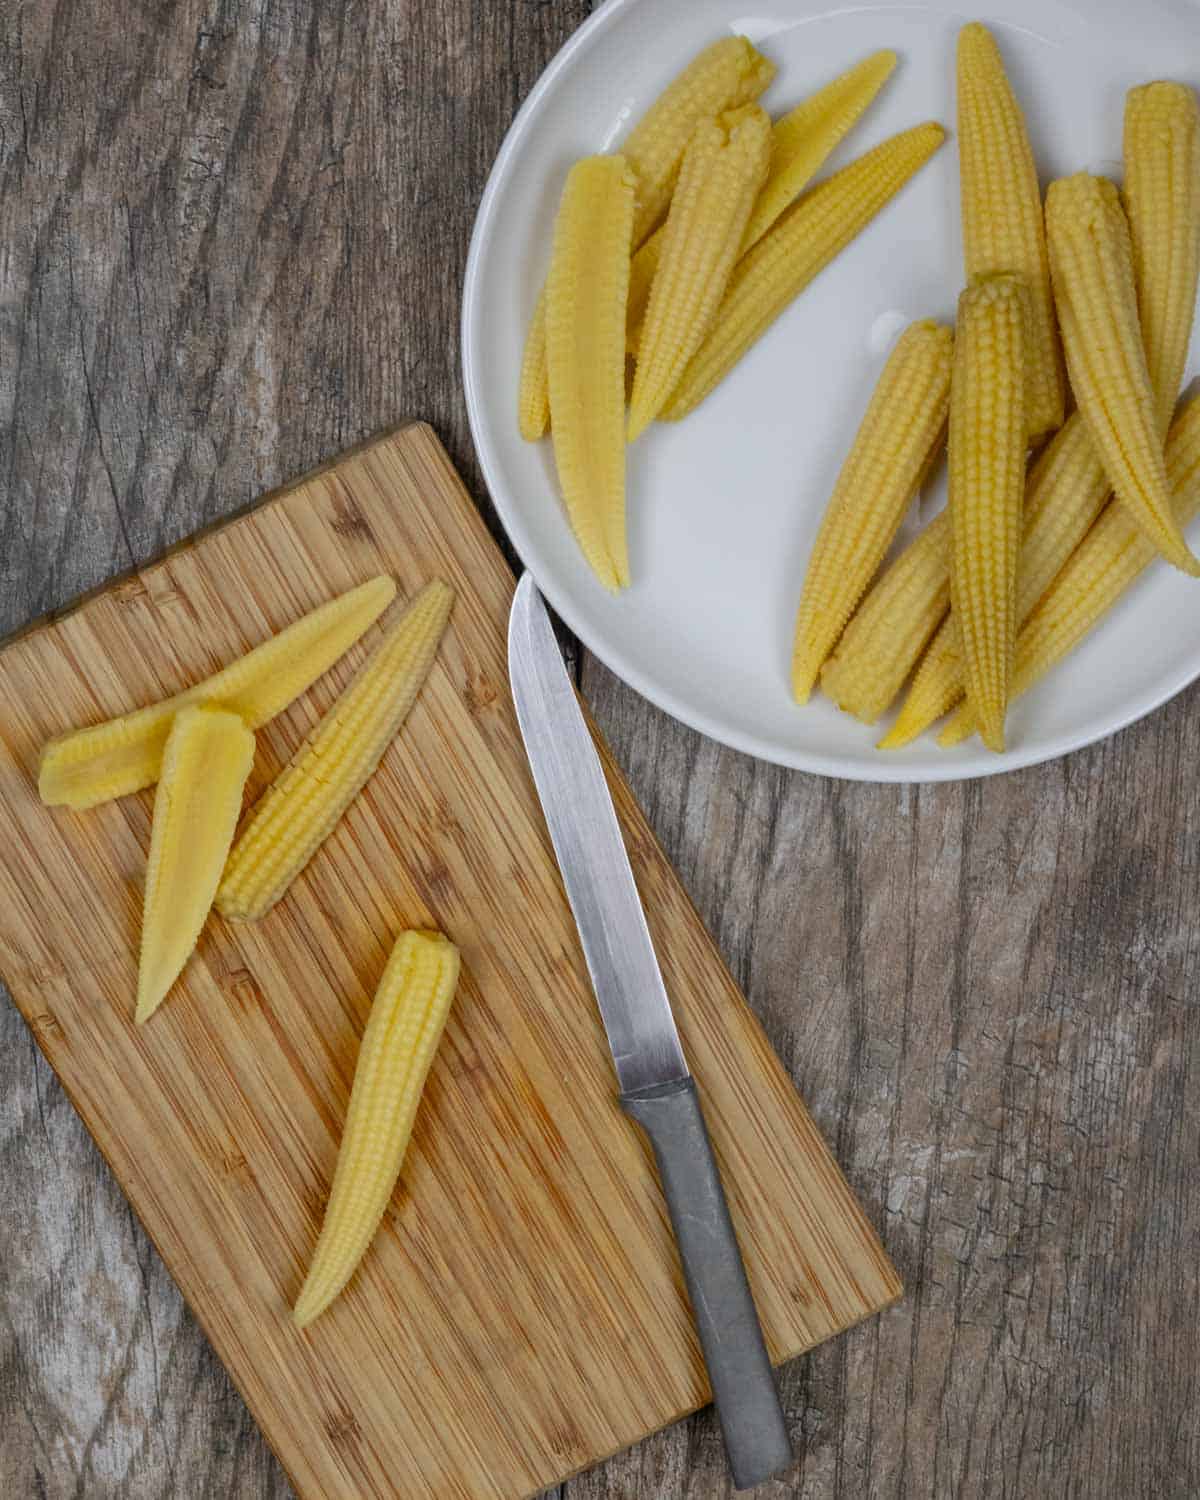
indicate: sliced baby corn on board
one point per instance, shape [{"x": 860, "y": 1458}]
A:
[
  {"x": 726, "y": 490},
  {"x": 480, "y": 1326}
]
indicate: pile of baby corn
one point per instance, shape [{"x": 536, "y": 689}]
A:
[
  {"x": 197, "y": 750},
  {"x": 1030, "y": 553},
  {"x": 672, "y": 258}
]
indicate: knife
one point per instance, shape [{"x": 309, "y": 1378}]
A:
[{"x": 656, "y": 1088}]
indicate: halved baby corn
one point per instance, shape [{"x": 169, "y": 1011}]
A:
[
  {"x": 800, "y": 143},
  {"x": 533, "y": 393},
  {"x": 205, "y": 764},
  {"x": 1002, "y": 209},
  {"x": 727, "y": 74},
  {"x": 987, "y": 482},
  {"x": 804, "y": 137},
  {"x": 1065, "y": 491},
  {"x": 801, "y": 244},
  {"x": 1091, "y": 260},
  {"x": 586, "y": 296},
  {"x": 891, "y": 627},
  {"x": 109, "y": 760},
  {"x": 1162, "y": 201},
  {"x": 1110, "y": 557},
  {"x": 305, "y": 802},
  {"x": 723, "y": 169},
  {"x": 901, "y": 434},
  {"x": 408, "y": 1016}
]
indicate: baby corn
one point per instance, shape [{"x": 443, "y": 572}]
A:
[
  {"x": 586, "y": 299},
  {"x": 805, "y": 136},
  {"x": 1110, "y": 557},
  {"x": 801, "y": 244},
  {"x": 1065, "y": 491},
  {"x": 207, "y": 759},
  {"x": 1002, "y": 210},
  {"x": 1091, "y": 260},
  {"x": 723, "y": 169},
  {"x": 533, "y": 393},
  {"x": 642, "y": 270},
  {"x": 903, "y": 430},
  {"x": 723, "y": 76},
  {"x": 301, "y": 808},
  {"x": 1162, "y": 200},
  {"x": 987, "y": 473},
  {"x": 890, "y": 628},
  {"x": 408, "y": 1016},
  {"x": 110, "y": 760}
]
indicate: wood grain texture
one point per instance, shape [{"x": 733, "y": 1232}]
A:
[
  {"x": 521, "y": 1313},
  {"x": 231, "y": 237}
]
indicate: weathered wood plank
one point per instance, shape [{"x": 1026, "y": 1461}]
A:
[{"x": 242, "y": 226}]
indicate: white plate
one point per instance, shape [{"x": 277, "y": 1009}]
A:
[{"x": 723, "y": 507}]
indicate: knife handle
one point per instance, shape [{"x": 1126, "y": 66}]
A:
[{"x": 739, "y": 1369}]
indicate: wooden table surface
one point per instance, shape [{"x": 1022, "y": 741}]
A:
[{"x": 232, "y": 235}]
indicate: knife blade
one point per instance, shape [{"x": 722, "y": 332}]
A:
[{"x": 656, "y": 1088}]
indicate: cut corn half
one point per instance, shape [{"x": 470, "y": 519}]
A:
[
  {"x": 533, "y": 393},
  {"x": 113, "y": 759},
  {"x": 987, "y": 482},
  {"x": 207, "y": 759},
  {"x": 723, "y": 169},
  {"x": 586, "y": 298},
  {"x": 1091, "y": 259},
  {"x": 1064, "y": 493},
  {"x": 408, "y": 1016},
  {"x": 902, "y": 432},
  {"x": 1162, "y": 201},
  {"x": 801, "y": 244},
  {"x": 726, "y": 74},
  {"x": 1112, "y": 555},
  {"x": 1003, "y": 228},
  {"x": 892, "y": 626},
  {"x": 803, "y": 139},
  {"x": 304, "y": 804},
  {"x": 642, "y": 270}
]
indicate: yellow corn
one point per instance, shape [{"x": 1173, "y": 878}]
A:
[
  {"x": 801, "y": 244},
  {"x": 723, "y": 169},
  {"x": 902, "y": 432},
  {"x": 303, "y": 805},
  {"x": 1162, "y": 200},
  {"x": 586, "y": 298},
  {"x": 110, "y": 760},
  {"x": 207, "y": 759},
  {"x": 1091, "y": 260},
  {"x": 987, "y": 482},
  {"x": 642, "y": 270},
  {"x": 408, "y": 1016},
  {"x": 1068, "y": 487},
  {"x": 805, "y": 136},
  {"x": 1065, "y": 491},
  {"x": 726, "y": 74},
  {"x": 1002, "y": 222},
  {"x": 888, "y": 631},
  {"x": 1112, "y": 555},
  {"x": 533, "y": 393},
  {"x": 800, "y": 143}
]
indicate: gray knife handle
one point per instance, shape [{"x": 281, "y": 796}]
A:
[{"x": 739, "y": 1369}]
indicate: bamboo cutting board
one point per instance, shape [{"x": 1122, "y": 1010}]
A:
[{"x": 521, "y": 1314}]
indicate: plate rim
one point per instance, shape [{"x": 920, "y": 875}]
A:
[{"x": 813, "y": 762}]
